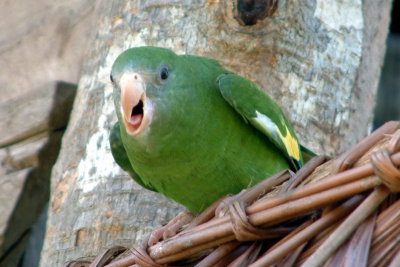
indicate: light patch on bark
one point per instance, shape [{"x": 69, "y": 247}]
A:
[
  {"x": 346, "y": 14},
  {"x": 98, "y": 163}
]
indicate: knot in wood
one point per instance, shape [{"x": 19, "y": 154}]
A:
[
  {"x": 249, "y": 12},
  {"x": 386, "y": 170}
]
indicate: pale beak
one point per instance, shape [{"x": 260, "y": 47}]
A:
[{"x": 136, "y": 107}]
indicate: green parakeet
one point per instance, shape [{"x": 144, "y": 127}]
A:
[{"x": 192, "y": 130}]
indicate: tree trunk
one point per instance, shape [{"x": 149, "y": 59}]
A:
[{"x": 320, "y": 62}]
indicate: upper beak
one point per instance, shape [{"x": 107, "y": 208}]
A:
[{"x": 136, "y": 108}]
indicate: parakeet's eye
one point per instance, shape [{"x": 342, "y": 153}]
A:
[
  {"x": 111, "y": 78},
  {"x": 164, "y": 73}
]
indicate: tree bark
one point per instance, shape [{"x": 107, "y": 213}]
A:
[{"x": 320, "y": 62}]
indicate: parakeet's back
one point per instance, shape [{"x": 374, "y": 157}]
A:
[{"x": 184, "y": 132}]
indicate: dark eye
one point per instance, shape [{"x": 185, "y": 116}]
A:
[
  {"x": 164, "y": 73},
  {"x": 111, "y": 78}
]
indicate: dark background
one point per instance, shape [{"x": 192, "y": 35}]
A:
[{"x": 388, "y": 99}]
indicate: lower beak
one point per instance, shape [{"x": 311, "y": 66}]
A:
[{"x": 136, "y": 107}]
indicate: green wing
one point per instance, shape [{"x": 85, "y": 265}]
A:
[
  {"x": 263, "y": 113},
  {"x": 121, "y": 158}
]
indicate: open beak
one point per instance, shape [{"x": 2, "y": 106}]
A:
[{"x": 136, "y": 108}]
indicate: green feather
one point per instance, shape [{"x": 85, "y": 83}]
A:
[
  {"x": 306, "y": 153},
  {"x": 119, "y": 153}
]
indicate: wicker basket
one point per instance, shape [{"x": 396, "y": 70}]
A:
[{"x": 339, "y": 212}]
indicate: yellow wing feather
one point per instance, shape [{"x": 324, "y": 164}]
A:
[{"x": 290, "y": 143}]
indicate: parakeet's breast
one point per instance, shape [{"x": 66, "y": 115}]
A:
[{"x": 200, "y": 150}]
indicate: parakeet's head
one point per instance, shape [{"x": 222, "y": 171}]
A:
[{"x": 139, "y": 76}]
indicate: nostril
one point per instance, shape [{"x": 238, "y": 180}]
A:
[{"x": 135, "y": 77}]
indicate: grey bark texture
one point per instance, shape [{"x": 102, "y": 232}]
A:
[{"x": 319, "y": 61}]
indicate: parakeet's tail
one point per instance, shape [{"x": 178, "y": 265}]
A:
[
  {"x": 306, "y": 153},
  {"x": 295, "y": 164}
]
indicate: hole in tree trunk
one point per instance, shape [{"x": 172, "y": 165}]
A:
[{"x": 249, "y": 12}]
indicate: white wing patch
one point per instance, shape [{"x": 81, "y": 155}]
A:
[
  {"x": 288, "y": 141},
  {"x": 267, "y": 124}
]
